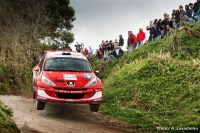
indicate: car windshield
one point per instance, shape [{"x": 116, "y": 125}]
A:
[{"x": 67, "y": 64}]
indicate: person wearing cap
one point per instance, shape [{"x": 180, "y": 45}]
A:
[
  {"x": 132, "y": 42},
  {"x": 140, "y": 38}
]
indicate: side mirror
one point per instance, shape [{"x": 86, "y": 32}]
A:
[{"x": 36, "y": 69}]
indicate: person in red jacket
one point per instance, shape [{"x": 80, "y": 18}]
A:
[
  {"x": 132, "y": 41},
  {"x": 86, "y": 51},
  {"x": 140, "y": 38}
]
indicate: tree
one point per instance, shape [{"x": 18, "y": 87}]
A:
[{"x": 61, "y": 17}]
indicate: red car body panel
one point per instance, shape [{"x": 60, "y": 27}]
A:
[{"x": 66, "y": 89}]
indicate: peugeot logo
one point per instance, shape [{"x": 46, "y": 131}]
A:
[{"x": 70, "y": 83}]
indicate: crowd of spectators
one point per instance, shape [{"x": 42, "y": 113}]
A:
[{"x": 158, "y": 29}]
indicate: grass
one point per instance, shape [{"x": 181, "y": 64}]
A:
[
  {"x": 156, "y": 85},
  {"x": 6, "y": 123}
]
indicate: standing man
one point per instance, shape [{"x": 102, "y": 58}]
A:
[
  {"x": 90, "y": 51},
  {"x": 140, "y": 38},
  {"x": 196, "y": 6},
  {"x": 121, "y": 41},
  {"x": 153, "y": 32},
  {"x": 132, "y": 42}
]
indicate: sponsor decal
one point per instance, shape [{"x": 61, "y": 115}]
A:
[
  {"x": 41, "y": 88},
  {"x": 71, "y": 92},
  {"x": 43, "y": 98},
  {"x": 70, "y": 100},
  {"x": 98, "y": 99},
  {"x": 69, "y": 77},
  {"x": 87, "y": 76}
]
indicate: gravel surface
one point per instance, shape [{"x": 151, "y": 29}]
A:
[{"x": 55, "y": 118}]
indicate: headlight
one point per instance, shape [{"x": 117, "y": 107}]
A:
[
  {"x": 92, "y": 82},
  {"x": 47, "y": 81}
]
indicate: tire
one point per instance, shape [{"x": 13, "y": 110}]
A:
[
  {"x": 40, "y": 105},
  {"x": 94, "y": 107}
]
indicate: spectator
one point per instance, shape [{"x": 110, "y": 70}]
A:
[
  {"x": 140, "y": 38},
  {"x": 196, "y": 6},
  {"x": 158, "y": 27},
  {"x": 182, "y": 12},
  {"x": 98, "y": 54},
  {"x": 148, "y": 29},
  {"x": 104, "y": 50},
  {"x": 197, "y": 15},
  {"x": 173, "y": 19},
  {"x": 163, "y": 25},
  {"x": 121, "y": 41},
  {"x": 177, "y": 19},
  {"x": 169, "y": 30},
  {"x": 153, "y": 32},
  {"x": 191, "y": 7},
  {"x": 110, "y": 45},
  {"x": 188, "y": 11},
  {"x": 116, "y": 47},
  {"x": 90, "y": 51},
  {"x": 132, "y": 41},
  {"x": 111, "y": 55},
  {"x": 187, "y": 20},
  {"x": 78, "y": 47},
  {"x": 82, "y": 47},
  {"x": 85, "y": 51},
  {"x": 100, "y": 48}
]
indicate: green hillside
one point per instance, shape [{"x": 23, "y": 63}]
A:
[
  {"x": 7, "y": 125},
  {"x": 157, "y": 85}
]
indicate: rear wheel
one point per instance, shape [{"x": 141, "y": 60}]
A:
[
  {"x": 94, "y": 107},
  {"x": 40, "y": 105}
]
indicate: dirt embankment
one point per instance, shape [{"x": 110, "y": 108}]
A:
[{"x": 56, "y": 118}]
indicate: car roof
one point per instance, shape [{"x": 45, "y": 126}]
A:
[{"x": 64, "y": 53}]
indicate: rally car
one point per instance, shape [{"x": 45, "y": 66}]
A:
[{"x": 65, "y": 77}]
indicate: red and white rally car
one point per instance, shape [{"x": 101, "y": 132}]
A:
[{"x": 66, "y": 77}]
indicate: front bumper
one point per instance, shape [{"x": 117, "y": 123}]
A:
[{"x": 41, "y": 95}]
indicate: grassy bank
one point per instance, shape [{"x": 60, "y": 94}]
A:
[
  {"x": 6, "y": 123},
  {"x": 156, "y": 85}
]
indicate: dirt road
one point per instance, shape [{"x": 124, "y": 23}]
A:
[{"x": 56, "y": 118}]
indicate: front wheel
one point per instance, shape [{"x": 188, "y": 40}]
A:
[
  {"x": 40, "y": 105},
  {"x": 94, "y": 107}
]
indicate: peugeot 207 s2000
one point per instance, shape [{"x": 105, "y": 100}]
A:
[{"x": 66, "y": 77}]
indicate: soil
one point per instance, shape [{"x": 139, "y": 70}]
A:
[{"x": 57, "y": 117}]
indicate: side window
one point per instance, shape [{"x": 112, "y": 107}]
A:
[{"x": 41, "y": 62}]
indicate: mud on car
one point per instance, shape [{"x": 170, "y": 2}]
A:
[{"x": 65, "y": 77}]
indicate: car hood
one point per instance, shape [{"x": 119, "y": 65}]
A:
[{"x": 69, "y": 79}]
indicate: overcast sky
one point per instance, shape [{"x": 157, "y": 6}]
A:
[{"x": 98, "y": 20}]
